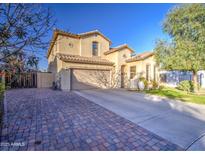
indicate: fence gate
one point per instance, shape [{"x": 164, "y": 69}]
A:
[{"x": 21, "y": 80}]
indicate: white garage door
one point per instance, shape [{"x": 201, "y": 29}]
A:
[{"x": 89, "y": 79}]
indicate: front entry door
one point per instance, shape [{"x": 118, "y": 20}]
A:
[{"x": 122, "y": 76}]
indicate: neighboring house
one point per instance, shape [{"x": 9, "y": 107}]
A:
[
  {"x": 173, "y": 78},
  {"x": 86, "y": 61}
]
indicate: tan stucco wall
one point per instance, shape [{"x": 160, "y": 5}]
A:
[
  {"x": 86, "y": 45},
  {"x": 52, "y": 54},
  {"x": 44, "y": 80},
  {"x": 119, "y": 58},
  {"x": 68, "y": 45},
  {"x": 82, "y": 47},
  {"x": 122, "y": 60},
  {"x": 113, "y": 57},
  {"x": 76, "y": 46},
  {"x": 65, "y": 80},
  {"x": 55, "y": 67},
  {"x": 141, "y": 67},
  {"x": 52, "y": 60}
]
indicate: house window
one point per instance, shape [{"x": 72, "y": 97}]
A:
[
  {"x": 147, "y": 72},
  {"x": 132, "y": 72},
  {"x": 95, "y": 49}
]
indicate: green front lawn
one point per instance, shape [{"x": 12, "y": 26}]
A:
[{"x": 178, "y": 94}]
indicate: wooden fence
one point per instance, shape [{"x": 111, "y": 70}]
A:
[
  {"x": 21, "y": 80},
  {"x": 29, "y": 80}
]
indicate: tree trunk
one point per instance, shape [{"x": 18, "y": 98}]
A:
[{"x": 195, "y": 82}]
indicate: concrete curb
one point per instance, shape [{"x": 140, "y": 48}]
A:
[{"x": 194, "y": 142}]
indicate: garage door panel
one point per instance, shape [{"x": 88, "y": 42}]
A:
[{"x": 90, "y": 79}]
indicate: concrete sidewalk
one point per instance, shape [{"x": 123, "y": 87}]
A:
[{"x": 178, "y": 122}]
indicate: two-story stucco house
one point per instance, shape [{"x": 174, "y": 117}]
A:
[{"x": 86, "y": 60}]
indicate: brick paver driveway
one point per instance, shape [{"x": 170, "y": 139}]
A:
[{"x": 43, "y": 119}]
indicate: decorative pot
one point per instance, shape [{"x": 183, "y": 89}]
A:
[{"x": 141, "y": 85}]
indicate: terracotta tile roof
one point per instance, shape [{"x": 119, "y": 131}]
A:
[
  {"x": 118, "y": 48},
  {"x": 61, "y": 32},
  {"x": 84, "y": 60},
  {"x": 139, "y": 57},
  {"x": 78, "y": 36}
]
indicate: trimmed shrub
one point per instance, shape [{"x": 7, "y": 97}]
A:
[
  {"x": 186, "y": 85},
  {"x": 161, "y": 87},
  {"x": 155, "y": 84}
]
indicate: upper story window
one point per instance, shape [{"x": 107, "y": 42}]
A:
[{"x": 95, "y": 49}]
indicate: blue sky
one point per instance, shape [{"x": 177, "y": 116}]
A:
[{"x": 138, "y": 25}]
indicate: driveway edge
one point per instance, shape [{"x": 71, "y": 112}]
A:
[{"x": 4, "y": 116}]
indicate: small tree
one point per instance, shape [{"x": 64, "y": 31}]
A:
[
  {"x": 186, "y": 26},
  {"x": 23, "y": 28}
]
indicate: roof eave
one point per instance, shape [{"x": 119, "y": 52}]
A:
[
  {"x": 87, "y": 62},
  {"x": 99, "y": 33},
  {"x": 117, "y": 49},
  {"x": 133, "y": 60}
]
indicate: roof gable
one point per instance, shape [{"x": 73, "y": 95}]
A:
[
  {"x": 118, "y": 48},
  {"x": 77, "y": 36},
  {"x": 95, "y": 32},
  {"x": 139, "y": 57}
]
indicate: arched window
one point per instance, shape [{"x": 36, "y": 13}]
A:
[{"x": 95, "y": 49}]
